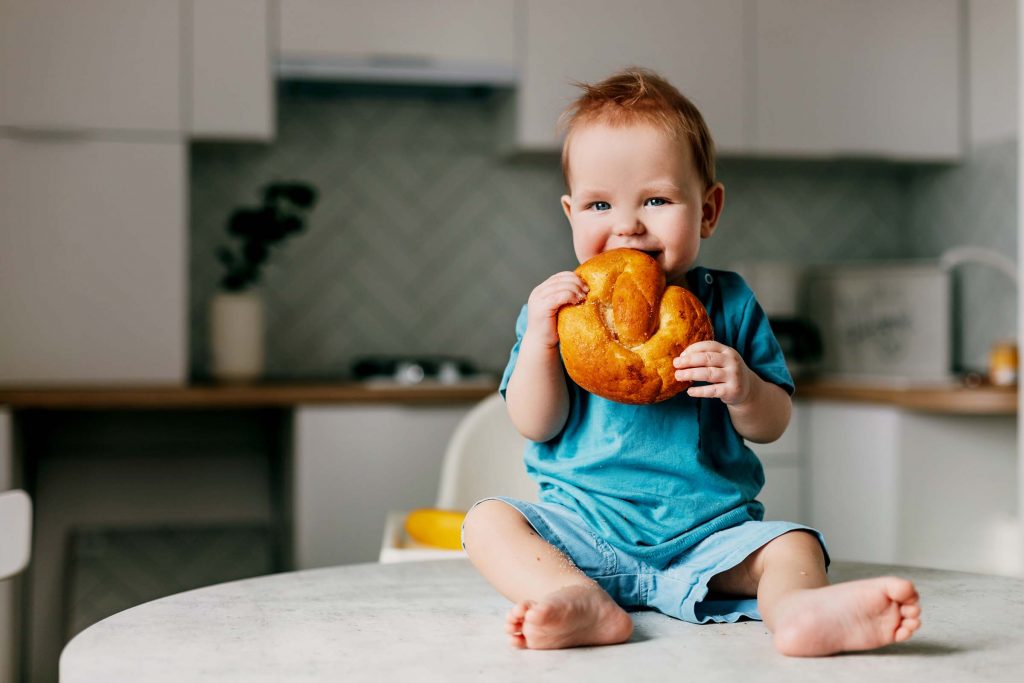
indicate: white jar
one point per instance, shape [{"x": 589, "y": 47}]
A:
[{"x": 236, "y": 336}]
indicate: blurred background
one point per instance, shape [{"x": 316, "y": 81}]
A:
[{"x": 259, "y": 257}]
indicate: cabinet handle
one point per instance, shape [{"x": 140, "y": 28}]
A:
[
  {"x": 65, "y": 135},
  {"x": 45, "y": 134}
]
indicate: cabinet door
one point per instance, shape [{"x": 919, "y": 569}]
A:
[
  {"x": 696, "y": 44},
  {"x": 858, "y": 77},
  {"x": 400, "y": 32},
  {"x": 354, "y": 464},
  {"x": 92, "y": 64},
  {"x": 9, "y": 635},
  {"x": 783, "y": 492},
  {"x": 92, "y": 261},
  {"x": 854, "y": 486},
  {"x": 232, "y": 79}
]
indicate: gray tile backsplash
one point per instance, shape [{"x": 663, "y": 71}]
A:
[
  {"x": 427, "y": 241},
  {"x": 974, "y": 203}
]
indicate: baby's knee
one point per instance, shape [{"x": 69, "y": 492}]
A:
[
  {"x": 486, "y": 518},
  {"x": 796, "y": 542}
]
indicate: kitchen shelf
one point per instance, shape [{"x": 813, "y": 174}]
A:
[{"x": 261, "y": 395}]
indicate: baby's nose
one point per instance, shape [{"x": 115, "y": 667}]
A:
[{"x": 629, "y": 224}]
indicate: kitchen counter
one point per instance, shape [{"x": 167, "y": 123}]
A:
[
  {"x": 952, "y": 400},
  {"x": 262, "y": 395}
]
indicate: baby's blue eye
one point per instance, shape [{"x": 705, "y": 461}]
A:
[
  {"x": 600, "y": 206},
  {"x": 656, "y": 201}
]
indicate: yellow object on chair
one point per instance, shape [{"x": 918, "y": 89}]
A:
[{"x": 437, "y": 528}]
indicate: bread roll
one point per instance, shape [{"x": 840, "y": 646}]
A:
[{"x": 619, "y": 342}]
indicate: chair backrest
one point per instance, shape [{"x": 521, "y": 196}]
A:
[
  {"x": 16, "y": 522},
  {"x": 484, "y": 458}
]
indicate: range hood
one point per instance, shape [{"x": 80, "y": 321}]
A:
[{"x": 394, "y": 69}]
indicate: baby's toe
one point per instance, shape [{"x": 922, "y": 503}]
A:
[
  {"x": 519, "y": 609},
  {"x": 900, "y": 590},
  {"x": 910, "y": 611}
]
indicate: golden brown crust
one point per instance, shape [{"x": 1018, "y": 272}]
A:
[{"x": 619, "y": 342}]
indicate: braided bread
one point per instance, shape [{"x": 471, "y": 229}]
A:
[{"x": 619, "y": 341}]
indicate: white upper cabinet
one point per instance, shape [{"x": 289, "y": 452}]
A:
[
  {"x": 93, "y": 253},
  {"x": 697, "y": 45},
  {"x": 992, "y": 43},
  {"x": 858, "y": 77},
  {"x": 94, "y": 65},
  {"x": 401, "y": 34},
  {"x": 232, "y": 69}
]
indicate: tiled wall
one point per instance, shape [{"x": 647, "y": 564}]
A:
[
  {"x": 974, "y": 203},
  {"x": 427, "y": 240}
]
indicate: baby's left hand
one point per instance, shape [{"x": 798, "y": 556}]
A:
[{"x": 721, "y": 366}]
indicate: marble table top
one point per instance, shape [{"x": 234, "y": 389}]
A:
[{"x": 439, "y": 621}]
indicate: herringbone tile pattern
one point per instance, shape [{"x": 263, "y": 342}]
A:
[
  {"x": 113, "y": 569},
  {"x": 427, "y": 241}
]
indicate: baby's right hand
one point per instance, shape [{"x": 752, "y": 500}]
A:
[{"x": 561, "y": 289}]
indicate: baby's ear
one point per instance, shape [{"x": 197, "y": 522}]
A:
[
  {"x": 567, "y": 206},
  {"x": 711, "y": 211}
]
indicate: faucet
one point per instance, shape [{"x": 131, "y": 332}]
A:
[{"x": 990, "y": 257}]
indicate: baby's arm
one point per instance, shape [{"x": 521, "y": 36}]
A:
[
  {"x": 536, "y": 396},
  {"x": 759, "y": 410}
]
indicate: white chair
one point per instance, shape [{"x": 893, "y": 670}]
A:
[
  {"x": 16, "y": 526},
  {"x": 484, "y": 458}
]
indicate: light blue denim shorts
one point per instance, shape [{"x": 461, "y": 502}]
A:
[{"x": 678, "y": 589}]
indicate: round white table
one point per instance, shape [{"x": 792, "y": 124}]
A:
[{"x": 439, "y": 621}]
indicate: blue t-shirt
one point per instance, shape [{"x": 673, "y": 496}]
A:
[{"x": 655, "y": 480}]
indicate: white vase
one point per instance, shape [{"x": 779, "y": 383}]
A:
[{"x": 236, "y": 336}]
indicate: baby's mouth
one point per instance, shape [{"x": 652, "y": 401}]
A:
[{"x": 653, "y": 253}]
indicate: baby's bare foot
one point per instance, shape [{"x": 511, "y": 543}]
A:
[
  {"x": 569, "y": 617},
  {"x": 858, "y": 615}
]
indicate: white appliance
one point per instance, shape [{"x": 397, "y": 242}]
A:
[{"x": 883, "y": 322}]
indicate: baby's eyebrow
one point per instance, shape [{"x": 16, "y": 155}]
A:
[
  {"x": 662, "y": 188},
  {"x": 590, "y": 194}
]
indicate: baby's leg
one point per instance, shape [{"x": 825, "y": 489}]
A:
[
  {"x": 807, "y": 616},
  {"x": 557, "y": 605}
]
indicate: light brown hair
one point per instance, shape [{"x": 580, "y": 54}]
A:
[{"x": 635, "y": 96}]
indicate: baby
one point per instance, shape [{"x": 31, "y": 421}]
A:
[{"x": 654, "y": 506}]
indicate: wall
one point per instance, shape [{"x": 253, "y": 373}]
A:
[
  {"x": 426, "y": 241},
  {"x": 974, "y": 203}
]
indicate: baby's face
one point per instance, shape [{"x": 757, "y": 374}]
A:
[{"x": 634, "y": 186}]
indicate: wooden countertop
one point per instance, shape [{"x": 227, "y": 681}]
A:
[
  {"x": 953, "y": 400},
  {"x": 263, "y": 395}
]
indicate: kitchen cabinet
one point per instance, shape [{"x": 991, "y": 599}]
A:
[
  {"x": 698, "y": 45},
  {"x": 9, "y": 631},
  {"x": 782, "y": 459},
  {"x": 400, "y": 37},
  {"x": 857, "y": 77},
  {"x": 232, "y": 92},
  {"x": 93, "y": 284},
  {"x": 992, "y": 62},
  {"x": 353, "y": 464},
  {"x": 890, "y": 485},
  {"x": 99, "y": 65},
  {"x": 800, "y": 78}
]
